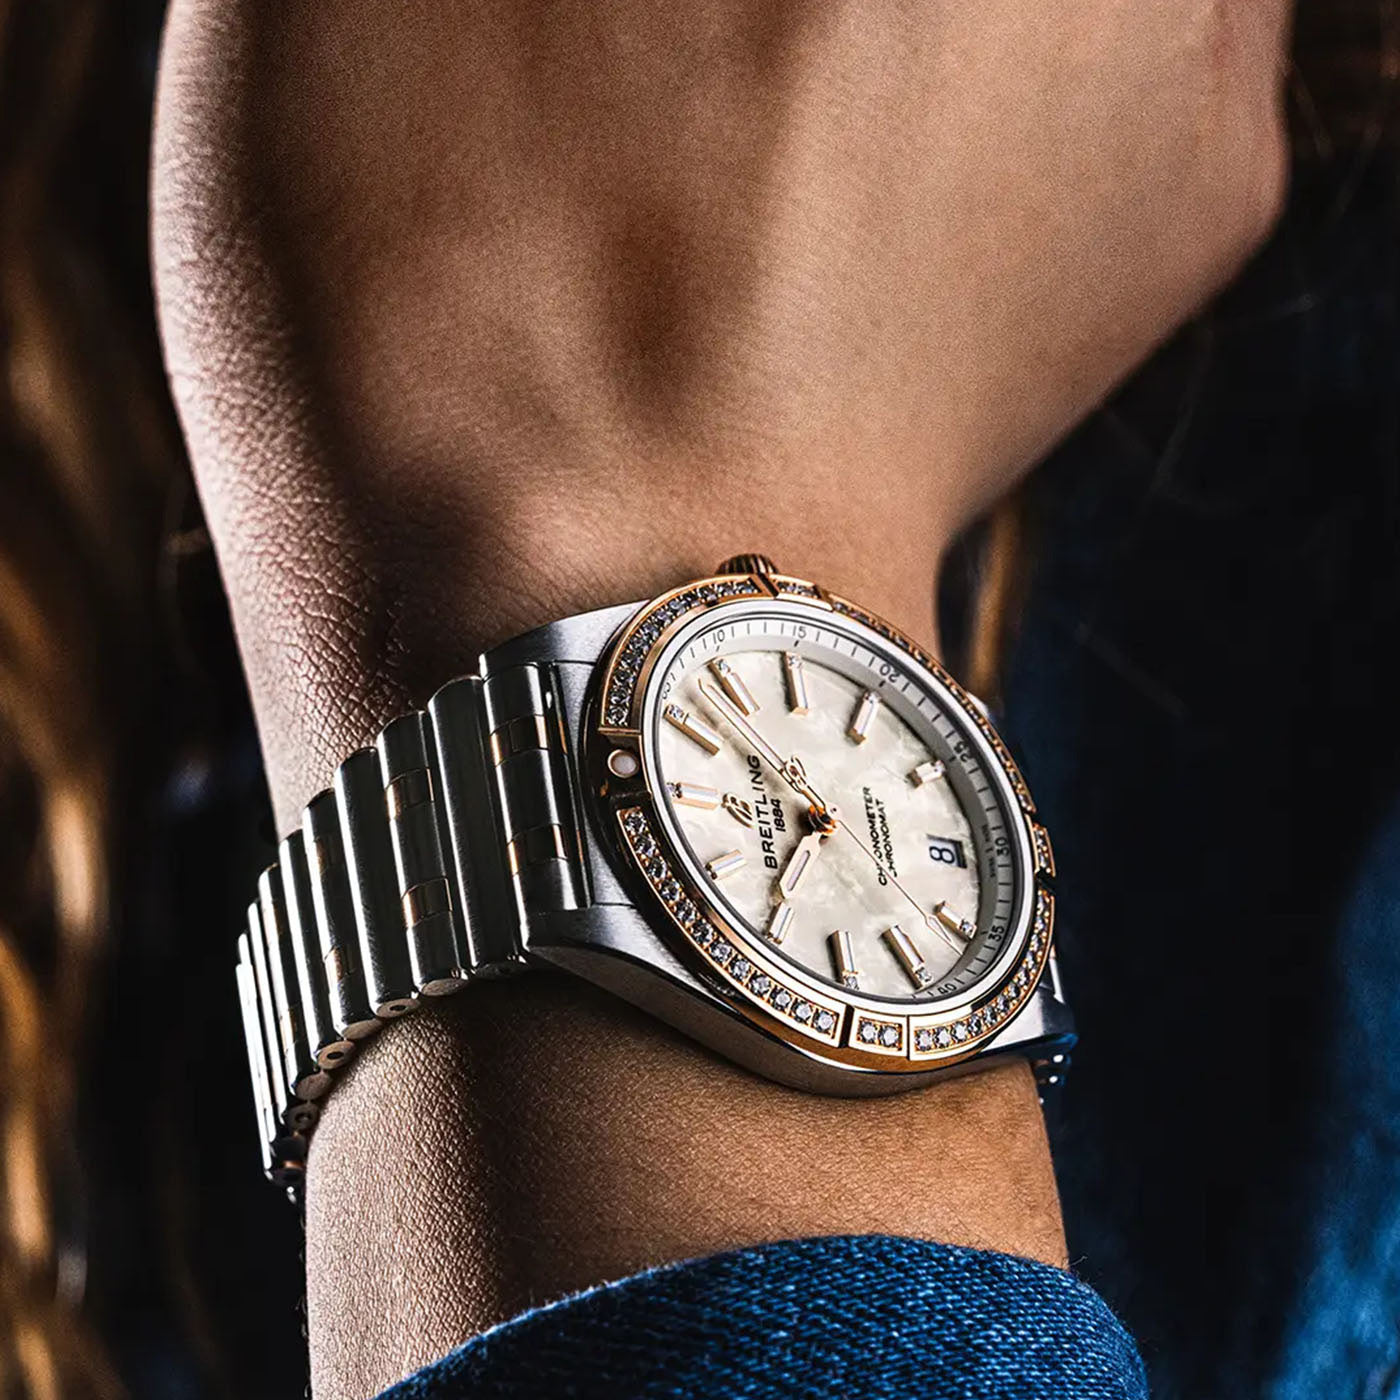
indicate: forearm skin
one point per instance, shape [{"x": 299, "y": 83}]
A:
[{"x": 478, "y": 316}]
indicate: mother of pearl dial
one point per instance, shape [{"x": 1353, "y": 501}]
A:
[{"x": 834, "y": 808}]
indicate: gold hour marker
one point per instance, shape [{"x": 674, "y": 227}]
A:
[
  {"x": 693, "y": 727},
  {"x": 724, "y": 865},
  {"x": 859, "y": 727},
  {"x": 779, "y": 922},
  {"x": 696, "y": 795},
  {"x": 796, "y": 676},
  {"x": 963, "y": 928},
  {"x": 843, "y": 959},
  {"x": 928, "y": 772},
  {"x": 732, "y": 683},
  {"x": 910, "y": 958}
]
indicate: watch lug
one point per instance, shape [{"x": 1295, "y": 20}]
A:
[
  {"x": 1043, "y": 1033},
  {"x": 581, "y": 639}
]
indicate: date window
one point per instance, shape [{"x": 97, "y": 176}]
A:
[{"x": 943, "y": 850}]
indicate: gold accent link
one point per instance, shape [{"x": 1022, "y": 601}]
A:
[
  {"x": 534, "y": 847},
  {"x": 518, "y": 735},
  {"x": 411, "y": 789},
  {"x": 318, "y": 858},
  {"x": 423, "y": 901},
  {"x": 334, "y": 963},
  {"x": 287, "y": 1024}
]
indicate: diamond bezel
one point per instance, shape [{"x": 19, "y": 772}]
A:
[
  {"x": 764, "y": 988},
  {"x": 743, "y": 969}
]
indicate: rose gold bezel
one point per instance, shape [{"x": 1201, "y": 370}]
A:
[{"x": 842, "y": 1027}]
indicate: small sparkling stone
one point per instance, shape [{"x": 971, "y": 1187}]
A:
[
  {"x": 960, "y": 1031},
  {"x": 967, "y": 928},
  {"x": 974, "y": 1023},
  {"x": 1000, "y": 1005},
  {"x": 740, "y": 969},
  {"x": 923, "y": 1039},
  {"x": 721, "y": 951},
  {"x": 889, "y": 1037},
  {"x": 825, "y": 1022},
  {"x": 761, "y": 985},
  {"x": 868, "y": 1032},
  {"x": 708, "y": 594},
  {"x": 657, "y": 869},
  {"x": 702, "y": 933},
  {"x": 670, "y": 891},
  {"x": 803, "y": 1011},
  {"x": 943, "y": 1037},
  {"x": 645, "y": 845},
  {"x": 635, "y": 823},
  {"x": 686, "y": 912},
  {"x": 782, "y": 998}
]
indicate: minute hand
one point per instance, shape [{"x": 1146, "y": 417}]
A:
[{"x": 789, "y": 769}]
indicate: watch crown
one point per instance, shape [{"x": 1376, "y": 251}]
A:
[{"x": 748, "y": 564}]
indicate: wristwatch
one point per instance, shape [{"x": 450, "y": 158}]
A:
[{"x": 748, "y": 806}]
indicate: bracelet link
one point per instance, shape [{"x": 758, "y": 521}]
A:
[
  {"x": 489, "y": 914},
  {"x": 437, "y": 947},
  {"x": 369, "y": 860},
  {"x": 337, "y": 939},
  {"x": 529, "y": 744}
]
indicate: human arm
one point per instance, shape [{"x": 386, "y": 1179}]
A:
[{"x": 478, "y": 316}]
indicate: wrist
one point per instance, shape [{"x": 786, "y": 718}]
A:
[
  {"x": 444, "y": 571},
  {"x": 535, "y": 1137}
]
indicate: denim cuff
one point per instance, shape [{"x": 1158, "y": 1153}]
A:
[{"x": 869, "y": 1316}]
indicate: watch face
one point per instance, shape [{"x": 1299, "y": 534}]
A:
[{"x": 840, "y": 819}]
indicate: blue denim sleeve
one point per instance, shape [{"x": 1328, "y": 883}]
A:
[{"x": 873, "y": 1317}]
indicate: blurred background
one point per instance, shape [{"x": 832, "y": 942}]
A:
[{"x": 1189, "y": 616}]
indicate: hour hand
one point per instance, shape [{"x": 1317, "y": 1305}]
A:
[{"x": 801, "y": 860}]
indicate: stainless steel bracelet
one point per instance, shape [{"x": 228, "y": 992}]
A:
[{"x": 409, "y": 877}]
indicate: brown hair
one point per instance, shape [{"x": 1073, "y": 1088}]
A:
[{"x": 91, "y": 457}]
